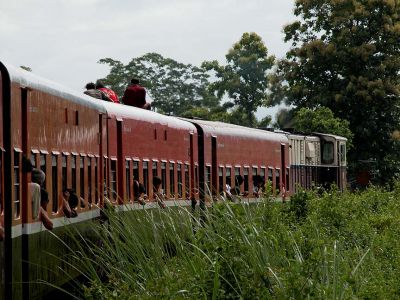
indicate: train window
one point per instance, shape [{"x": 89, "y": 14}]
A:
[
  {"x": 179, "y": 169},
  {"x": 73, "y": 172},
  {"x": 237, "y": 171},
  {"x": 196, "y": 176},
  {"x": 228, "y": 177},
  {"x": 82, "y": 176},
  {"x": 246, "y": 179},
  {"x": 113, "y": 179},
  {"x": 66, "y": 115},
  {"x": 262, "y": 174},
  {"x": 343, "y": 154},
  {"x": 135, "y": 170},
  {"x": 278, "y": 180},
  {"x": 96, "y": 180},
  {"x": 220, "y": 179},
  {"x": 287, "y": 180},
  {"x": 17, "y": 187},
  {"x": 64, "y": 172},
  {"x": 155, "y": 169},
  {"x": 172, "y": 180},
  {"x": 146, "y": 175},
  {"x": 89, "y": 184},
  {"x": 207, "y": 180},
  {"x": 54, "y": 184},
  {"x": 271, "y": 178},
  {"x": 43, "y": 166},
  {"x": 187, "y": 180},
  {"x": 76, "y": 118},
  {"x": 33, "y": 159},
  {"x": 128, "y": 179},
  {"x": 327, "y": 153},
  {"x": 106, "y": 191},
  {"x": 164, "y": 176}
]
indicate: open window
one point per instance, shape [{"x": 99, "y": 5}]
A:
[
  {"x": 17, "y": 184},
  {"x": 128, "y": 179},
  {"x": 221, "y": 179},
  {"x": 246, "y": 178},
  {"x": 54, "y": 182},
  {"x": 172, "y": 179},
  {"x": 179, "y": 173},
  {"x": 146, "y": 175}
]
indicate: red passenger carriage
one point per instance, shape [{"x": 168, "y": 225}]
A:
[{"x": 98, "y": 149}]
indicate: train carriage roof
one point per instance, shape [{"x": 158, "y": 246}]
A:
[
  {"x": 30, "y": 80},
  {"x": 231, "y": 130},
  {"x": 129, "y": 112}
]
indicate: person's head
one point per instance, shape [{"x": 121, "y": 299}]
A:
[
  {"x": 99, "y": 85},
  {"x": 73, "y": 199},
  {"x": 44, "y": 198},
  {"x": 66, "y": 193},
  {"x": 135, "y": 81},
  {"x": 26, "y": 165},
  {"x": 142, "y": 189},
  {"x": 90, "y": 86},
  {"x": 38, "y": 176},
  {"x": 156, "y": 182},
  {"x": 239, "y": 179},
  {"x": 257, "y": 180}
]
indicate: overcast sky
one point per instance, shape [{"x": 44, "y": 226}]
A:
[{"x": 62, "y": 40}]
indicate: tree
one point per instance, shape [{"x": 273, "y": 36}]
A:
[
  {"x": 244, "y": 77},
  {"x": 174, "y": 87},
  {"x": 345, "y": 56},
  {"x": 322, "y": 120}
]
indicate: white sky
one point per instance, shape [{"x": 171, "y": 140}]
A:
[{"x": 62, "y": 40}]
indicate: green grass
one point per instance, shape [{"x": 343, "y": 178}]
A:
[{"x": 329, "y": 246}]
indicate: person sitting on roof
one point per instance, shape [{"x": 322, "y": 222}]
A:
[
  {"x": 93, "y": 92},
  {"x": 135, "y": 95},
  {"x": 108, "y": 92}
]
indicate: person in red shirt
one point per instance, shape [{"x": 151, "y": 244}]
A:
[
  {"x": 135, "y": 95},
  {"x": 108, "y": 92}
]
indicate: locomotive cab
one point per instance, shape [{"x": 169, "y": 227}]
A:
[{"x": 333, "y": 160}]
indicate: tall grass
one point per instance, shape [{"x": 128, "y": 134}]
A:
[{"x": 330, "y": 246}]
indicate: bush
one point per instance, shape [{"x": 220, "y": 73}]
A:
[{"x": 333, "y": 245}]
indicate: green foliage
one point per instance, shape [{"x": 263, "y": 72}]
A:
[
  {"x": 322, "y": 120},
  {"x": 345, "y": 55},
  {"x": 320, "y": 245},
  {"x": 244, "y": 77},
  {"x": 174, "y": 87}
]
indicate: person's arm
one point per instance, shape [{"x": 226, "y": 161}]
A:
[
  {"x": 66, "y": 208},
  {"x": 44, "y": 217},
  {"x": 105, "y": 97},
  {"x": 160, "y": 199}
]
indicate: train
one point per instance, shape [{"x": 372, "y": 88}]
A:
[{"x": 99, "y": 148}]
